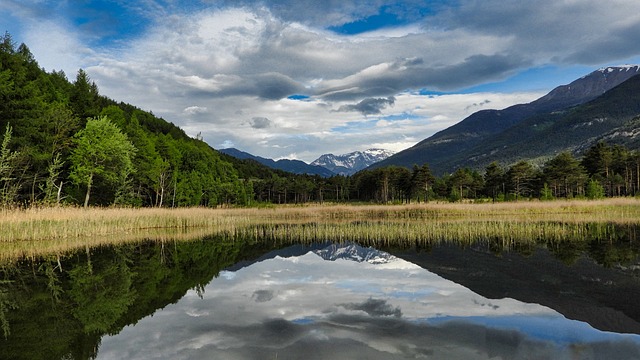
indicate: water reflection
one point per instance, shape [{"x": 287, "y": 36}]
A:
[
  {"x": 232, "y": 298},
  {"x": 347, "y": 302}
]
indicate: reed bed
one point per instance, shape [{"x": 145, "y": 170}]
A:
[
  {"x": 407, "y": 234},
  {"x": 18, "y": 250},
  {"x": 31, "y": 232}
]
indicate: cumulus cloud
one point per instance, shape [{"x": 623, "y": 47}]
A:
[
  {"x": 193, "y": 110},
  {"x": 227, "y": 56},
  {"x": 370, "y": 106},
  {"x": 375, "y": 307},
  {"x": 260, "y": 123},
  {"x": 262, "y": 295},
  {"x": 585, "y": 32},
  {"x": 478, "y": 104}
]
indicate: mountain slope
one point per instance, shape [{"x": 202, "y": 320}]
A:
[
  {"x": 292, "y": 166},
  {"x": 349, "y": 164},
  {"x": 444, "y": 147},
  {"x": 546, "y": 135}
]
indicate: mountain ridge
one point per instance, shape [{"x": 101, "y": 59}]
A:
[
  {"x": 441, "y": 149},
  {"x": 292, "y": 166},
  {"x": 573, "y": 130},
  {"x": 349, "y": 164}
]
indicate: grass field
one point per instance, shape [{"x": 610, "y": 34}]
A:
[{"x": 36, "y": 231}]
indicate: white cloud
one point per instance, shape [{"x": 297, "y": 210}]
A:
[
  {"x": 56, "y": 47},
  {"x": 194, "y": 110},
  {"x": 216, "y": 70}
]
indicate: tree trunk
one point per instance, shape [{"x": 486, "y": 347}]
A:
[
  {"x": 59, "y": 193},
  {"x": 86, "y": 198}
]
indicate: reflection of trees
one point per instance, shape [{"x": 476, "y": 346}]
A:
[
  {"x": 101, "y": 292},
  {"x": 5, "y": 305},
  {"x": 567, "y": 251},
  {"x": 59, "y": 307}
]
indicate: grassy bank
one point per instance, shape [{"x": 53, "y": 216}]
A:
[{"x": 35, "y": 231}]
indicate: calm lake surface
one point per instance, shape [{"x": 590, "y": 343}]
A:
[{"x": 217, "y": 298}]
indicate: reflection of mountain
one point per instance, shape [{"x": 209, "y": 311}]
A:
[
  {"x": 285, "y": 307},
  {"x": 326, "y": 251},
  {"x": 290, "y": 251},
  {"x": 354, "y": 252},
  {"x": 585, "y": 291}
]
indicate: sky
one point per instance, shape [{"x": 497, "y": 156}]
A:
[{"x": 300, "y": 78}]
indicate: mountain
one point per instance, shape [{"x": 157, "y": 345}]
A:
[
  {"x": 452, "y": 147},
  {"x": 292, "y": 166},
  {"x": 612, "y": 116},
  {"x": 349, "y": 164}
]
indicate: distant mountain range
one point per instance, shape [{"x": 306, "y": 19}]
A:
[
  {"x": 326, "y": 165},
  {"x": 349, "y": 164},
  {"x": 601, "y": 105},
  {"x": 292, "y": 166}
]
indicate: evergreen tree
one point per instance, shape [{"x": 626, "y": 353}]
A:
[
  {"x": 565, "y": 175},
  {"x": 84, "y": 96},
  {"x": 494, "y": 181},
  {"x": 520, "y": 179}
]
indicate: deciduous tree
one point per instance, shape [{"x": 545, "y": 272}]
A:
[{"x": 102, "y": 150}]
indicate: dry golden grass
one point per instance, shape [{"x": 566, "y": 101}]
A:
[{"x": 34, "y": 231}]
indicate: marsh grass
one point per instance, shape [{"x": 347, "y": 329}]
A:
[{"x": 37, "y": 231}]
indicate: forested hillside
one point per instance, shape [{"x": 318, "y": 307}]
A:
[{"x": 44, "y": 118}]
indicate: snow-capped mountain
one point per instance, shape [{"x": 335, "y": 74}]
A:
[
  {"x": 356, "y": 253},
  {"x": 351, "y": 163},
  {"x": 292, "y": 166}
]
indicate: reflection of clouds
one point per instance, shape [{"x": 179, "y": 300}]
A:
[
  {"x": 489, "y": 304},
  {"x": 262, "y": 295},
  {"x": 375, "y": 307},
  {"x": 305, "y": 305}
]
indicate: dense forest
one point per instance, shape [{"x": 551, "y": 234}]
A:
[{"x": 64, "y": 143}]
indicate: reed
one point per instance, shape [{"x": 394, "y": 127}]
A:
[{"x": 34, "y": 231}]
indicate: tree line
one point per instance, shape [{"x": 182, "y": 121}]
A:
[
  {"x": 64, "y": 143},
  {"x": 603, "y": 171}
]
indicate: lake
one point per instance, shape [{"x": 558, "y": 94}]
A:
[{"x": 224, "y": 298}]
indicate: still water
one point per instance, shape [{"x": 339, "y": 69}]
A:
[{"x": 216, "y": 299}]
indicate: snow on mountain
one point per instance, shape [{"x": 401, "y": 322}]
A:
[
  {"x": 356, "y": 253},
  {"x": 625, "y": 68},
  {"x": 348, "y": 164}
]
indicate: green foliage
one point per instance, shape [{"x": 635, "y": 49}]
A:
[
  {"x": 546, "y": 193},
  {"x": 102, "y": 151},
  {"x": 565, "y": 175},
  {"x": 494, "y": 181},
  {"x": 520, "y": 178},
  {"x": 52, "y": 188},
  {"x": 594, "y": 190},
  {"x": 8, "y": 168}
]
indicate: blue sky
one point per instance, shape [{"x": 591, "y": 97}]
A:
[{"x": 300, "y": 78}]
